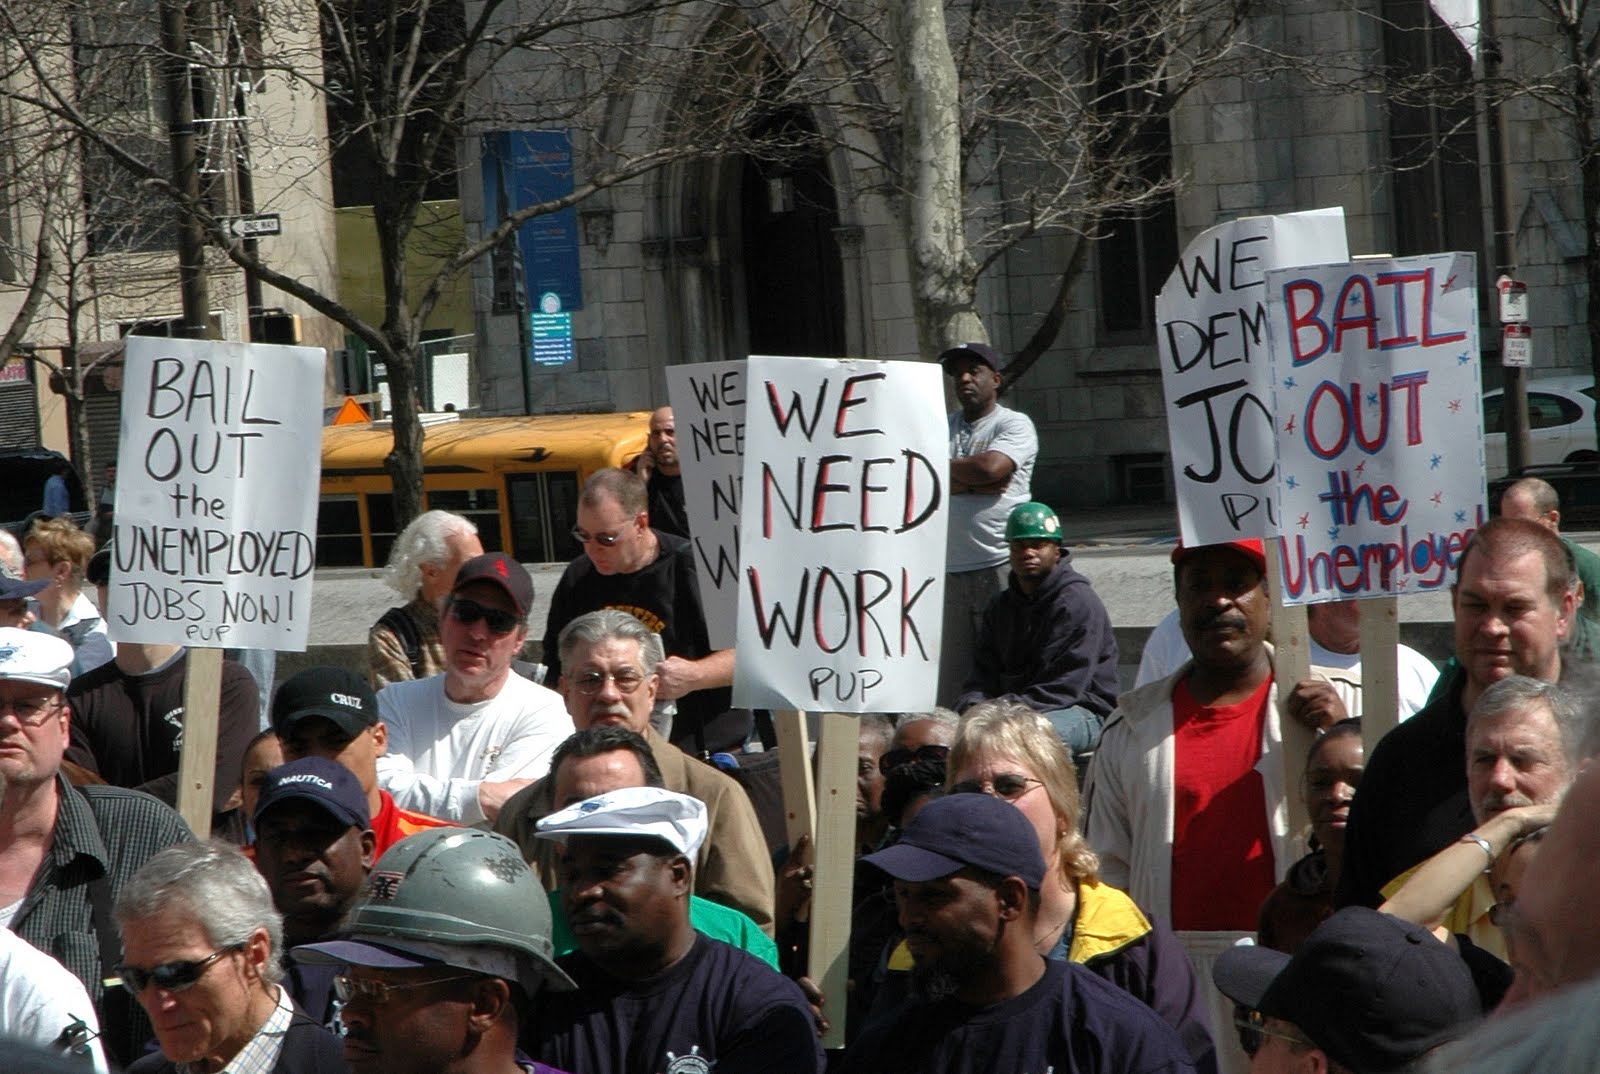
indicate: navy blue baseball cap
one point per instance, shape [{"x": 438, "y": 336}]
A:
[
  {"x": 316, "y": 779},
  {"x": 950, "y": 834},
  {"x": 1372, "y": 991},
  {"x": 981, "y": 351}
]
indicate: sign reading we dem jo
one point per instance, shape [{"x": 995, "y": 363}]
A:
[{"x": 216, "y": 494}]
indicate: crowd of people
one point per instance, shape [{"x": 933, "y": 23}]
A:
[{"x": 481, "y": 853}]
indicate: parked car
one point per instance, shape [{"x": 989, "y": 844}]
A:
[
  {"x": 22, "y": 492},
  {"x": 1560, "y": 423}
]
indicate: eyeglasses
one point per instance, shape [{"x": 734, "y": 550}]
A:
[
  {"x": 1007, "y": 785},
  {"x": 898, "y": 758},
  {"x": 170, "y": 976},
  {"x": 592, "y": 682},
  {"x": 348, "y": 988},
  {"x": 30, "y": 711},
  {"x": 604, "y": 540},
  {"x": 1252, "y": 1027},
  {"x": 468, "y": 612}
]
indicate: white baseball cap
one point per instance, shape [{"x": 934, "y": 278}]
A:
[
  {"x": 637, "y": 811},
  {"x": 34, "y": 656}
]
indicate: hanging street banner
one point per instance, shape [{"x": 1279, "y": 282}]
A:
[
  {"x": 1380, "y": 423},
  {"x": 1211, "y": 334},
  {"x": 708, "y": 412},
  {"x": 841, "y": 535},
  {"x": 217, "y": 481}
]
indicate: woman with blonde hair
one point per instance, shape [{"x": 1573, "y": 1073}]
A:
[
  {"x": 57, "y": 552},
  {"x": 1006, "y": 749}
]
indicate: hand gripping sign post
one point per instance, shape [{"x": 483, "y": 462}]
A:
[
  {"x": 1380, "y": 436},
  {"x": 216, "y": 516},
  {"x": 840, "y": 591}
]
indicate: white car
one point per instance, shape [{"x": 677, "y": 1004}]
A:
[{"x": 1560, "y": 424}]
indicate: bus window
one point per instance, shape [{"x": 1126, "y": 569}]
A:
[
  {"x": 479, "y": 506},
  {"x": 339, "y": 532},
  {"x": 544, "y": 508},
  {"x": 563, "y": 500},
  {"x": 380, "y": 519}
]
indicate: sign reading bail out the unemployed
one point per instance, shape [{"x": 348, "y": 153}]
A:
[
  {"x": 216, "y": 494},
  {"x": 1211, "y": 334},
  {"x": 841, "y": 535},
  {"x": 1380, "y": 424}
]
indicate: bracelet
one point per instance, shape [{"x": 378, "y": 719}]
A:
[{"x": 1483, "y": 844}]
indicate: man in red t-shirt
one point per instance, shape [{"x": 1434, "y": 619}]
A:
[
  {"x": 333, "y": 713},
  {"x": 1185, "y": 798}
]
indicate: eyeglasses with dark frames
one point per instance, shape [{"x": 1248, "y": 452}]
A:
[
  {"x": 171, "y": 976},
  {"x": 467, "y": 612},
  {"x": 604, "y": 540},
  {"x": 1252, "y": 1028},
  {"x": 1007, "y": 785}
]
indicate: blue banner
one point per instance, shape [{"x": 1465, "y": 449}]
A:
[{"x": 522, "y": 168}]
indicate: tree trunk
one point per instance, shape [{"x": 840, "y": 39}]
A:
[{"x": 943, "y": 275}]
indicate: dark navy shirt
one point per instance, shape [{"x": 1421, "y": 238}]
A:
[
  {"x": 1069, "y": 1022},
  {"x": 716, "y": 1009}
]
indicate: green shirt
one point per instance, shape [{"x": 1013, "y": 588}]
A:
[{"x": 712, "y": 918}]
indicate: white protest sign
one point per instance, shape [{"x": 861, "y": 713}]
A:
[
  {"x": 1212, "y": 337},
  {"x": 842, "y": 535},
  {"x": 1375, "y": 384},
  {"x": 708, "y": 412},
  {"x": 216, "y": 494}
]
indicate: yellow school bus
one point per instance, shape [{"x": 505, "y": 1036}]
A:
[{"x": 516, "y": 477}]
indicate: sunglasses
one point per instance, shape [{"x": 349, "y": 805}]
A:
[
  {"x": 592, "y": 682},
  {"x": 1007, "y": 785},
  {"x": 1253, "y": 1031},
  {"x": 898, "y": 758},
  {"x": 376, "y": 993},
  {"x": 170, "y": 976},
  {"x": 468, "y": 612},
  {"x": 604, "y": 540}
]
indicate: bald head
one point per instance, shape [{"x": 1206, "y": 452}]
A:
[
  {"x": 664, "y": 440},
  {"x": 1534, "y": 500}
]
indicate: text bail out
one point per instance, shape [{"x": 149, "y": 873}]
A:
[
  {"x": 216, "y": 499},
  {"x": 843, "y": 533},
  {"x": 1375, "y": 368}
]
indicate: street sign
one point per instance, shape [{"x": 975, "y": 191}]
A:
[{"x": 250, "y": 227}]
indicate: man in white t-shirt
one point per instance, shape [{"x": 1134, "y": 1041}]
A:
[
  {"x": 41, "y": 1002},
  {"x": 992, "y": 451},
  {"x": 463, "y": 742}
]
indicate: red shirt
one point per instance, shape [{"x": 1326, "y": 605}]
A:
[
  {"x": 393, "y": 824},
  {"x": 1221, "y": 845}
]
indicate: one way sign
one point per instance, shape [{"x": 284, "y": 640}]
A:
[{"x": 249, "y": 227}]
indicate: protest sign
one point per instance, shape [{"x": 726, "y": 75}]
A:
[
  {"x": 1380, "y": 425},
  {"x": 842, "y": 535},
  {"x": 1211, "y": 335},
  {"x": 216, "y": 494},
  {"x": 708, "y": 412}
]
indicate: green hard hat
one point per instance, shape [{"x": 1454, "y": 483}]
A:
[
  {"x": 460, "y": 887},
  {"x": 1032, "y": 522}
]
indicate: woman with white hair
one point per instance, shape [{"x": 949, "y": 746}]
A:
[{"x": 404, "y": 643}]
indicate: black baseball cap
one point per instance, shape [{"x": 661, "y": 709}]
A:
[
  {"x": 1371, "y": 990},
  {"x": 981, "y": 351},
  {"x": 316, "y": 779},
  {"x": 335, "y": 694},
  {"x": 949, "y": 834},
  {"x": 503, "y": 571}
]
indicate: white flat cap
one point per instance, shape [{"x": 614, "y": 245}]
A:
[
  {"x": 34, "y": 656},
  {"x": 636, "y": 811}
]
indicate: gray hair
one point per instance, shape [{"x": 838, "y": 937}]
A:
[
  {"x": 1556, "y": 1032},
  {"x": 10, "y": 554},
  {"x": 1515, "y": 692},
  {"x": 212, "y": 884},
  {"x": 607, "y": 624},
  {"x": 876, "y": 726},
  {"x": 949, "y": 719},
  {"x": 422, "y": 542}
]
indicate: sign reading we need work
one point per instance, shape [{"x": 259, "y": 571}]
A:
[
  {"x": 1211, "y": 332},
  {"x": 708, "y": 413},
  {"x": 216, "y": 494},
  {"x": 1380, "y": 425},
  {"x": 841, "y": 535}
]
